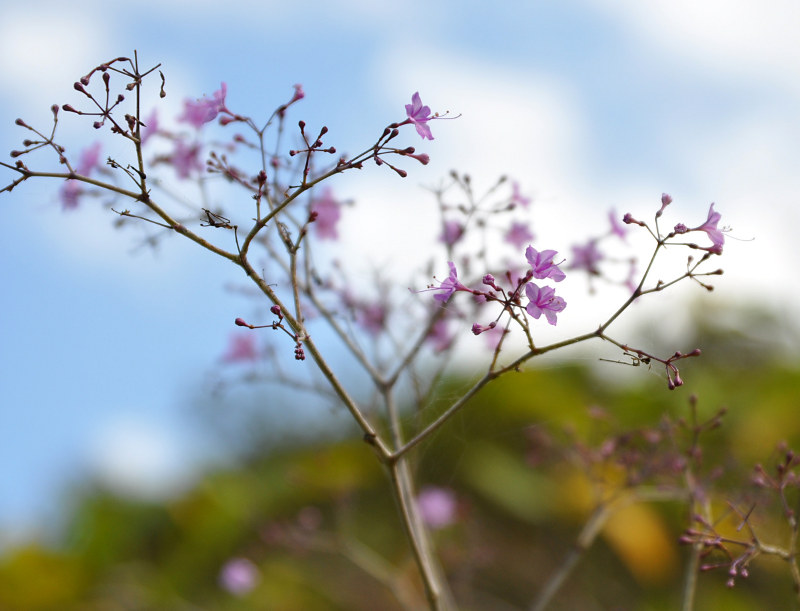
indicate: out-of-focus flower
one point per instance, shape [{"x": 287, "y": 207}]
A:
[
  {"x": 328, "y": 212},
  {"x": 149, "y": 127},
  {"x": 437, "y": 506},
  {"x": 617, "y": 228},
  {"x": 517, "y": 197},
  {"x": 451, "y": 232},
  {"x": 200, "y": 112},
  {"x": 186, "y": 158},
  {"x": 87, "y": 163},
  {"x": 239, "y": 576},
  {"x": 241, "y": 348},
  {"x": 518, "y": 234},
  {"x": 586, "y": 258}
]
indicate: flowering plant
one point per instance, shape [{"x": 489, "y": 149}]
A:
[{"x": 393, "y": 334}]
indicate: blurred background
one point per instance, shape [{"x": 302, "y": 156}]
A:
[{"x": 109, "y": 351}]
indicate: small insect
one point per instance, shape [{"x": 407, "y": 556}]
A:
[{"x": 216, "y": 220}]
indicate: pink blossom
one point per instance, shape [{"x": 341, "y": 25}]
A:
[
  {"x": 328, "y": 211},
  {"x": 241, "y": 347},
  {"x": 543, "y": 301},
  {"x": 542, "y": 264},
  {"x": 517, "y": 198},
  {"x": 617, "y": 228},
  {"x": 518, "y": 234},
  {"x": 419, "y": 115},
  {"x": 437, "y": 506},
  {"x": 372, "y": 316},
  {"x": 449, "y": 285},
  {"x": 451, "y": 233},
  {"x": 205, "y": 109},
  {"x": 239, "y": 576},
  {"x": 88, "y": 161},
  {"x": 149, "y": 127},
  {"x": 440, "y": 337},
  {"x": 186, "y": 158},
  {"x": 586, "y": 258},
  {"x": 710, "y": 227}
]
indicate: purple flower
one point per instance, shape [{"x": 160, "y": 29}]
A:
[
  {"x": 517, "y": 198},
  {"x": 451, "y": 233},
  {"x": 328, "y": 211},
  {"x": 437, "y": 506},
  {"x": 149, "y": 127},
  {"x": 372, "y": 316},
  {"x": 88, "y": 161},
  {"x": 586, "y": 258},
  {"x": 542, "y": 264},
  {"x": 449, "y": 285},
  {"x": 710, "y": 227},
  {"x": 518, "y": 234},
  {"x": 239, "y": 576},
  {"x": 440, "y": 337},
  {"x": 241, "y": 347},
  {"x": 202, "y": 111},
  {"x": 617, "y": 229},
  {"x": 543, "y": 301},
  {"x": 186, "y": 158},
  {"x": 419, "y": 115}
]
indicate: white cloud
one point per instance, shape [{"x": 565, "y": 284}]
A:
[
  {"x": 138, "y": 458},
  {"x": 751, "y": 36},
  {"x": 46, "y": 49}
]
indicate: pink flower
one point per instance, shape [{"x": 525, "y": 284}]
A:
[
  {"x": 517, "y": 198},
  {"x": 186, "y": 158},
  {"x": 617, "y": 228},
  {"x": 150, "y": 127},
  {"x": 543, "y": 301},
  {"x": 88, "y": 161},
  {"x": 542, "y": 264},
  {"x": 202, "y": 111},
  {"x": 586, "y": 258},
  {"x": 241, "y": 347},
  {"x": 328, "y": 211},
  {"x": 710, "y": 227},
  {"x": 372, "y": 316},
  {"x": 518, "y": 234},
  {"x": 437, "y": 506},
  {"x": 440, "y": 337},
  {"x": 451, "y": 233},
  {"x": 449, "y": 285},
  {"x": 419, "y": 115},
  {"x": 239, "y": 576}
]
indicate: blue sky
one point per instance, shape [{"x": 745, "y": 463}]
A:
[{"x": 588, "y": 103}]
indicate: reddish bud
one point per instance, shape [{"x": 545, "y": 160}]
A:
[
  {"x": 240, "y": 322},
  {"x": 21, "y": 123}
]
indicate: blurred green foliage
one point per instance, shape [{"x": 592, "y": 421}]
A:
[{"x": 318, "y": 520}]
